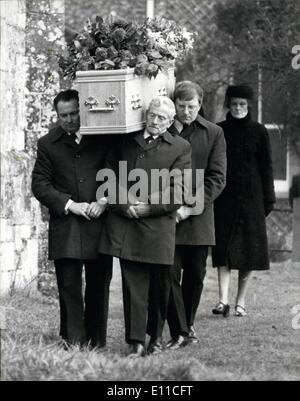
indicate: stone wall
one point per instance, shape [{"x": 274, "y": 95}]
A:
[
  {"x": 31, "y": 33},
  {"x": 16, "y": 218},
  {"x": 44, "y": 41}
]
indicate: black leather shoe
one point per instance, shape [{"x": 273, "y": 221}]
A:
[
  {"x": 192, "y": 337},
  {"x": 155, "y": 346},
  {"x": 221, "y": 309},
  {"x": 176, "y": 343},
  {"x": 136, "y": 350}
]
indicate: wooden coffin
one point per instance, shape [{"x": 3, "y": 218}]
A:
[{"x": 115, "y": 101}]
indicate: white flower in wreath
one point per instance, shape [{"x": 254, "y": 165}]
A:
[
  {"x": 41, "y": 57},
  {"x": 153, "y": 35},
  {"x": 172, "y": 50},
  {"x": 171, "y": 37},
  {"x": 161, "y": 43}
]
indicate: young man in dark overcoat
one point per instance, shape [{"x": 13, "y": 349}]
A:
[{"x": 194, "y": 232}]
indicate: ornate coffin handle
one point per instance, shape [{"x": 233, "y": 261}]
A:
[
  {"x": 162, "y": 92},
  {"x": 110, "y": 102},
  {"x": 136, "y": 102},
  {"x": 91, "y": 101}
]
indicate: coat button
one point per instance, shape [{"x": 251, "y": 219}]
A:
[
  {"x": 141, "y": 156},
  {"x": 77, "y": 156},
  {"x": 81, "y": 180}
]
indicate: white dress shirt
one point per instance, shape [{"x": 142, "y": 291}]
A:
[{"x": 147, "y": 134}]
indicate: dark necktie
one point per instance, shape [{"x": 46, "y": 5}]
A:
[
  {"x": 187, "y": 129},
  {"x": 149, "y": 139}
]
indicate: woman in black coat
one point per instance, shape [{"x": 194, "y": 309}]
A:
[{"x": 240, "y": 211}]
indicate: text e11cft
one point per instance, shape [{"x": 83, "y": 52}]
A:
[{"x": 171, "y": 390}]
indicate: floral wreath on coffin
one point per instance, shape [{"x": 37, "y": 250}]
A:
[{"x": 111, "y": 44}]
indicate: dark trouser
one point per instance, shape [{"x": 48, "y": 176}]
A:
[
  {"x": 137, "y": 280},
  {"x": 185, "y": 298},
  {"x": 84, "y": 322}
]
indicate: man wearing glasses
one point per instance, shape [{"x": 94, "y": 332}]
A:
[{"x": 194, "y": 232}]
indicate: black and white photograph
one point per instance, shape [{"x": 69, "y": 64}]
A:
[{"x": 150, "y": 193}]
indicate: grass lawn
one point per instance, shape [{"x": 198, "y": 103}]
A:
[{"x": 261, "y": 346}]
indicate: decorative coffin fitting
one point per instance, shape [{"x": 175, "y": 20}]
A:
[{"x": 115, "y": 101}]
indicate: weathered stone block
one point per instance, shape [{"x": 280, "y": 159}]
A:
[
  {"x": 6, "y": 280},
  {"x": 19, "y": 267},
  {"x": 12, "y": 85},
  {"x": 6, "y": 231},
  {"x": 7, "y": 256},
  {"x": 29, "y": 261},
  {"x": 14, "y": 79},
  {"x": 2, "y": 318},
  {"x": 14, "y": 12},
  {"x": 25, "y": 231},
  {"x": 21, "y": 212}
]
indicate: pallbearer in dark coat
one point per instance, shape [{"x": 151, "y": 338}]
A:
[
  {"x": 142, "y": 233},
  {"x": 240, "y": 211},
  {"x": 194, "y": 233},
  {"x": 64, "y": 180}
]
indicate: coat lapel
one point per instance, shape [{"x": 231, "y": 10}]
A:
[
  {"x": 69, "y": 141},
  {"x": 58, "y": 134},
  {"x": 85, "y": 141},
  {"x": 139, "y": 138}
]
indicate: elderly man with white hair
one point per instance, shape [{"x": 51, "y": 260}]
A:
[{"x": 141, "y": 231}]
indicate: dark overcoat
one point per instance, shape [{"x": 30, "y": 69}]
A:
[
  {"x": 150, "y": 239},
  {"x": 208, "y": 153},
  {"x": 65, "y": 170},
  {"x": 241, "y": 238},
  {"x": 294, "y": 191}
]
